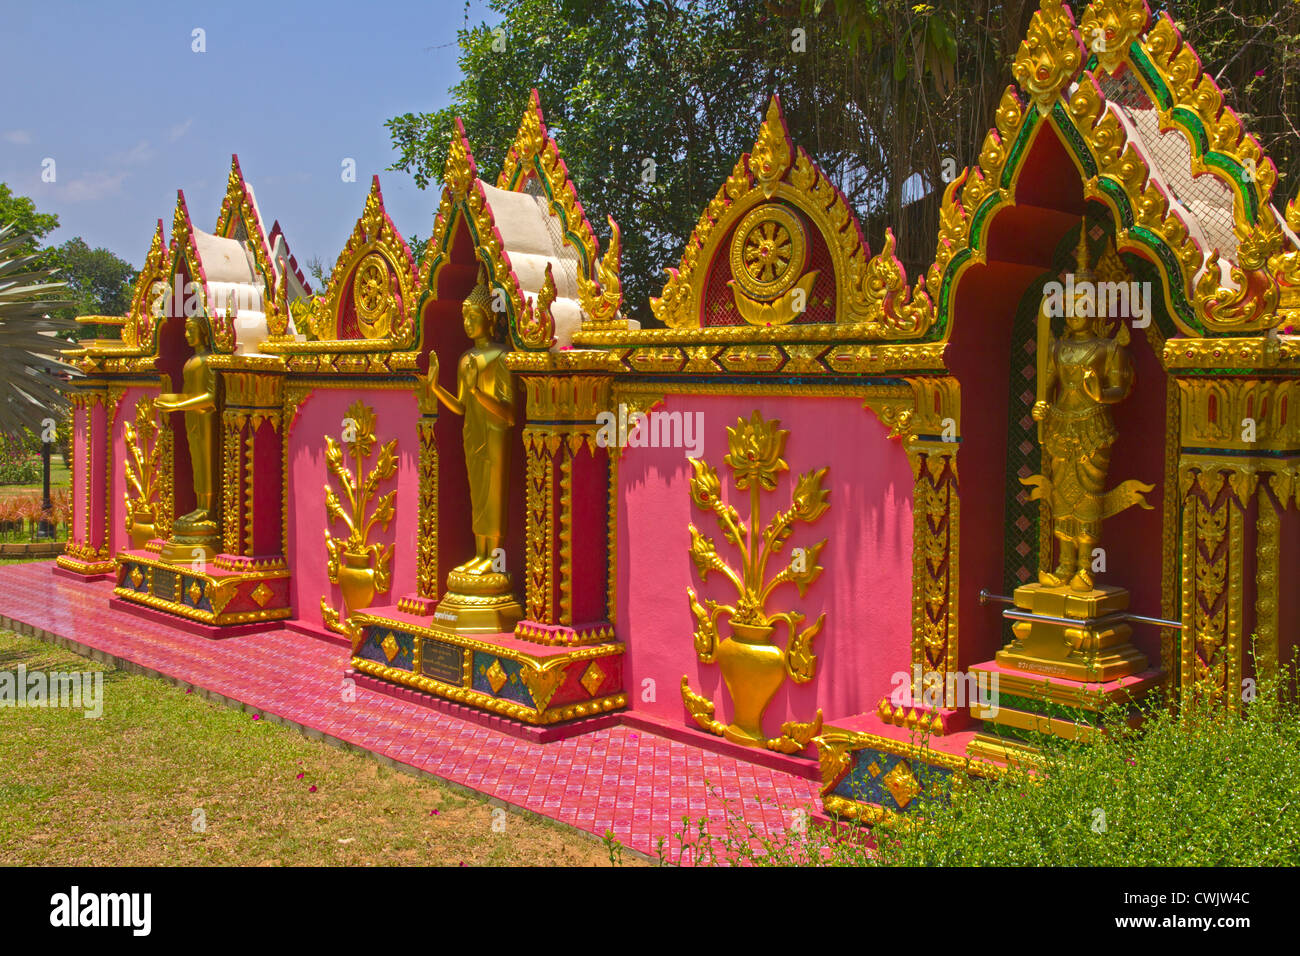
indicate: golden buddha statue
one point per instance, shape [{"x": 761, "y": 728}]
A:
[
  {"x": 479, "y": 591},
  {"x": 1081, "y": 375},
  {"x": 198, "y": 400}
]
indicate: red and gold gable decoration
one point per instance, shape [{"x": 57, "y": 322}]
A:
[
  {"x": 239, "y": 220},
  {"x": 535, "y": 157},
  {"x": 188, "y": 264},
  {"x": 464, "y": 205},
  {"x": 779, "y": 245},
  {"x": 141, "y": 327},
  {"x": 1102, "y": 86},
  {"x": 370, "y": 302}
]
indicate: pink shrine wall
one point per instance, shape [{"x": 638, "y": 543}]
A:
[
  {"x": 95, "y": 475},
  {"x": 321, "y": 414},
  {"x": 80, "y": 473},
  {"x": 119, "y": 540},
  {"x": 865, "y": 591}
]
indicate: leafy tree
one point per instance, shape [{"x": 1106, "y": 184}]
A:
[
  {"x": 884, "y": 93},
  {"x": 20, "y": 212},
  {"x": 98, "y": 281},
  {"x": 653, "y": 100}
]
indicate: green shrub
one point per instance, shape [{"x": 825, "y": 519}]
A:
[
  {"x": 1189, "y": 788},
  {"x": 15, "y": 471}
]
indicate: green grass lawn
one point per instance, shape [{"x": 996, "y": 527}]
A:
[{"x": 122, "y": 790}]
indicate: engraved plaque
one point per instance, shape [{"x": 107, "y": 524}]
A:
[
  {"x": 444, "y": 662},
  {"x": 164, "y": 584}
]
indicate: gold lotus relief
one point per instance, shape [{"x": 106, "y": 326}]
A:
[
  {"x": 360, "y": 567},
  {"x": 144, "y": 445},
  {"x": 769, "y": 253},
  {"x": 753, "y": 665}
]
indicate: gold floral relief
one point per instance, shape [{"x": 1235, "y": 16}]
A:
[
  {"x": 360, "y": 567},
  {"x": 753, "y": 665},
  {"x": 143, "y": 473}
]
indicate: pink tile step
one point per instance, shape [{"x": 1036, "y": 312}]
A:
[{"x": 582, "y": 781}]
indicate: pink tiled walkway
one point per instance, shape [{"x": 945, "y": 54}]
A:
[{"x": 637, "y": 784}]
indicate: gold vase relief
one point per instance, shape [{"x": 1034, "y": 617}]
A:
[
  {"x": 753, "y": 665},
  {"x": 360, "y": 569}
]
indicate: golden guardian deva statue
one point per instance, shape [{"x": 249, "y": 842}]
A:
[{"x": 1080, "y": 375}]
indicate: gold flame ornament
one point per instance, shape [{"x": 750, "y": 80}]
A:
[
  {"x": 359, "y": 568},
  {"x": 753, "y": 665}
]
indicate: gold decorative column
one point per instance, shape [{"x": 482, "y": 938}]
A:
[
  {"x": 252, "y": 458},
  {"x": 566, "y": 582},
  {"x": 87, "y": 551},
  {"x": 426, "y": 575},
  {"x": 926, "y": 417},
  {"x": 1273, "y": 494},
  {"x": 1215, "y": 496},
  {"x": 1240, "y": 441},
  {"x": 541, "y": 448}
]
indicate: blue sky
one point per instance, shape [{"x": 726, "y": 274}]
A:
[{"x": 114, "y": 93}]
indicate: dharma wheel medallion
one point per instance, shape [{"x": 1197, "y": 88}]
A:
[
  {"x": 372, "y": 296},
  {"x": 769, "y": 252}
]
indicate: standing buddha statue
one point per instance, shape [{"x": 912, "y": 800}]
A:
[
  {"x": 198, "y": 530},
  {"x": 479, "y": 595}
]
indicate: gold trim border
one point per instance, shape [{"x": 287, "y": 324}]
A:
[{"x": 474, "y": 698}]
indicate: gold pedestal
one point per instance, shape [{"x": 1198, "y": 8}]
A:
[
  {"x": 188, "y": 538},
  {"x": 1095, "y": 650},
  {"x": 1026, "y": 706},
  {"x": 478, "y": 604}
]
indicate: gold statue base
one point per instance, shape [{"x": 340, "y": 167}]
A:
[
  {"x": 191, "y": 541},
  {"x": 1028, "y": 707},
  {"x": 1096, "y": 650},
  {"x": 478, "y": 604}
]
